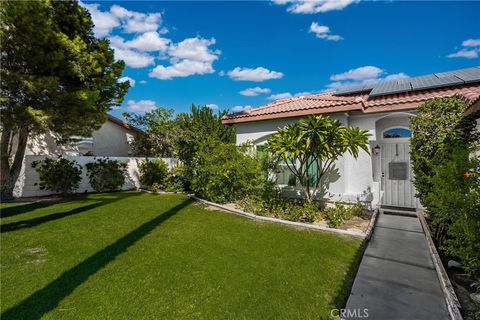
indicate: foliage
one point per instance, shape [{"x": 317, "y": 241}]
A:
[
  {"x": 225, "y": 172},
  {"x": 62, "y": 176},
  {"x": 197, "y": 127},
  {"x": 56, "y": 77},
  {"x": 106, "y": 175},
  {"x": 158, "y": 135},
  {"x": 454, "y": 208},
  {"x": 177, "y": 179},
  {"x": 338, "y": 215},
  {"x": 314, "y": 144},
  {"x": 438, "y": 127},
  {"x": 153, "y": 174}
]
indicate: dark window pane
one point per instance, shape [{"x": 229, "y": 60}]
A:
[{"x": 397, "y": 133}]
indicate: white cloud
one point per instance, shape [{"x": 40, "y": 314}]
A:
[
  {"x": 323, "y": 32},
  {"x": 104, "y": 21},
  {"x": 240, "y": 108},
  {"x": 470, "y": 50},
  {"x": 143, "y": 81},
  {"x": 119, "y": 17},
  {"x": 148, "y": 41},
  {"x": 141, "y": 106},
  {"x": 131, "y": 80},
  {"x": 188, "y": 57},
  {"x": 465, "y": 53},
  {"x": 132, "y": 58},
  {"x": 362, "y": 75},
  {"x": 258, "y": 74},
  {"x": 471, "y": 43},
  {"x": 279, "y": 96},
  {"x": 133, "y": 21},
  {"x": 358, "y": 74},
  {"x": 314, "y": 6},
  {"x": 252, "y": 92},
  {"x": 396, "y": 76},
  {"x": 196, "y": 49},
  {"x": 212, "y": 106}
]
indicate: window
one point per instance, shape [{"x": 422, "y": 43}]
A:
[{"x": 395, "y": 133}]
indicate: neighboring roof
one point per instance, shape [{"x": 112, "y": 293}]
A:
[
  {"x": 123, "y": 124},
  {"x": 357, "y": 101}
]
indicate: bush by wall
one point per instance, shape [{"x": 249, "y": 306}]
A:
[
  {"x": 153, "y": 174},
  {"x": 106, "y": 175},
  {"x": 61, "y": 176}
]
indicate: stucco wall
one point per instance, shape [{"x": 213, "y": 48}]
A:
[
  {"x": 26, "y": 187},
  {"x": 112, "y": 140}
]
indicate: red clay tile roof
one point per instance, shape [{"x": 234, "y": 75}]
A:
[
  {"x": 329, "y": 103},
  {"x": 123, "y": 124}
]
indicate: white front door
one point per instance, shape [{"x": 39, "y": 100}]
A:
[{"x": 397, "y": 175}]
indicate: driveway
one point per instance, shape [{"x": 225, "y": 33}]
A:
[{"x": 397, "y": 278}]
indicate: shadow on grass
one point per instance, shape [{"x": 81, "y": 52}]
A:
[
  {"x": 29, "y": 223},
  {"x": 24, "y": 208},
  {"x": 48, "y": 298},
  {"x": 341, "y": 298}
]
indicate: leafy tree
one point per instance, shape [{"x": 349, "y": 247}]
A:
[
  {"x": 310, "y": 148},
  {"x": 198, "y": 126},
  {"x": 159, "y": 133},
  {"x": 56, "y": 76},
  {"x": 438, "y": 127}
]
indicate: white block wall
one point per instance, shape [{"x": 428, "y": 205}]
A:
[{"x": 26, "y": 187}]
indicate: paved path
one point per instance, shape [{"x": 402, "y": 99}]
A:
[{"x": 397, "y": 278}]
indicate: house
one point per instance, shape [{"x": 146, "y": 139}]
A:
[
  {"x": 383, "y": 177},
  {"x": 113, "y": 139}
]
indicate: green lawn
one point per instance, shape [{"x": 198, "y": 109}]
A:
[{"x": 140, "y": 256}]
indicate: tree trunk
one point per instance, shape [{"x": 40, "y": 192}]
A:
[{"x": 9, "y": 173}]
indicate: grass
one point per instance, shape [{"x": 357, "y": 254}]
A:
[{"x": 141, "y": 256}]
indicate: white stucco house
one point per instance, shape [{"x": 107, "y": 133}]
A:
[
  {"x": 383, "y": 177},
  {"x": 113, "y": 139}
]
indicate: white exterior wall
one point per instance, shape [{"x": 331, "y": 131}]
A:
[
  {"x": 26, "y": 187},
  {"x": 112, "y": 140},
  {"x": 359, "y": 178}
]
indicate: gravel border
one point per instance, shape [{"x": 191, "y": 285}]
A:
[{"x": 285, "y": 222}]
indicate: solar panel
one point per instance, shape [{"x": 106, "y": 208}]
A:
[
  {"x": 441, "y": 79},
  {"x": 353, "y": 89},
  {"x": 467, "y": 75}
]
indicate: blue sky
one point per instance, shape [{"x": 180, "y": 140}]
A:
[{"x": 232, "y": 55}]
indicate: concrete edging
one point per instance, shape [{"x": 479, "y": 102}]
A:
[
  {"x": 280, "y": 221},
  {"x": 453, "y": 304}
]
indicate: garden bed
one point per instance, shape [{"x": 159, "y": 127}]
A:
[{"x": 357, "y": 226}]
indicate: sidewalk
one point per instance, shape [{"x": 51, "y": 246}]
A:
[{"x": 397, "y": 278}]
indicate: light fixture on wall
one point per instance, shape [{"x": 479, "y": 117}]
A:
[{"x": 376, "y": 150}]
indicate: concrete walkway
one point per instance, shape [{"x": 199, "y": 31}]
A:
[{"x": 397, "y": 278}]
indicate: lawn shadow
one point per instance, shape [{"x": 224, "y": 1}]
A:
[
  {"x": 24, "y": 208},
  {"x": 48, "y": 298},
  {"x": 342, "y": 295},
  {"x": 29, "y": 223}
]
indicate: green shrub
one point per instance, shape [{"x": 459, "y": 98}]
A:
[
  {"x": 106, "y": 175},
  {"x": 62, "y": 176},
  {"x": 177, "y": 179},
  {"x": 454, "y": 208},
  {"x": 338, "y": 215},
  {"x": 153, "y": 173},
  {"x": 225, "y": 173},
  {"x": 358, "y": 209}
]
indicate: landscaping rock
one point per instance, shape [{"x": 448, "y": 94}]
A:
[
  {"x": 475, "y": 297},
  {"x": 452, "y": 264}
]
